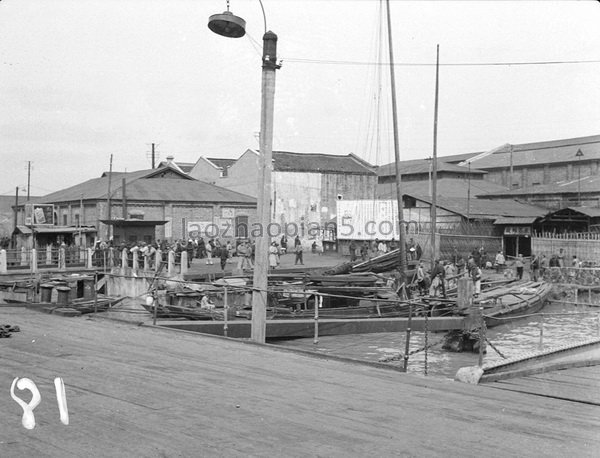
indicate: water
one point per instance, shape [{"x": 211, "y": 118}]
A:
[{"x": 562, "y": 324}]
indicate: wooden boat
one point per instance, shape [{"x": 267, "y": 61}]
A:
[{"x": 511, "y": 302}]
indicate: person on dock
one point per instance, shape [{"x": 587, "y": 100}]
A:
[
  {"x": 352, "y": 249},
  {"x": 364, "y": 251},
  {"x": 544, "y": 264},
  {"x": 209, "y": 252},
  {"x": 519, "y": 265},
  {"x": 224, "y": 255},
  {"x": 500, "y": 261},
  {"x": 283, "y": 244},
  {"x": 273, "y": 260},
  {"x": 535, "y": 267},
  {"x": 298, "y": 250}
]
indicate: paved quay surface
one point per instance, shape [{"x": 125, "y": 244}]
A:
[{"x": 139, "y": 391}]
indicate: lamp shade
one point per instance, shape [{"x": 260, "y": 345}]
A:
[{"x": 227, "y": 25}]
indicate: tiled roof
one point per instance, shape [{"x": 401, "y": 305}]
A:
[
  {"x": 485, "y": 209},
  {"x": 449, "y": 187},
  {"x": 420, "y": 166},
  {"x": 284, "y": 161},
  {"x": 540, "y": 153},
  {"x": 142, "y": 186}
]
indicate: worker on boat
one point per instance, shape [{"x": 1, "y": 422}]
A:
[
  {"x": 421, "y": 280},
  {"x": 475, "y": 275},
  {"x": 437, "y": 279}
]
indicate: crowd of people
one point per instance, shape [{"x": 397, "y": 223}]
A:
[{"x": 204, "y": 250}]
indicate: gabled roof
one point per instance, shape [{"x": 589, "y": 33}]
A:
[
  {"x": 484, "y": 209},
  {"x": 185, "y": 167},
  {"x": 148, "y": 185},
  {"x": 421, "y": 166},
  {"x": 541, "y": 153},
  {"x": 221, "y": 162},
  {"x": 285, "y": 161},
  {"x": 448, "y": 187}
]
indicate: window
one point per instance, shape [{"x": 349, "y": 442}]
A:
[
  {"x": 65, "y": 220},
  {"x": 241, "y": 227}
]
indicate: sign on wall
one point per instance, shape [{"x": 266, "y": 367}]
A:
[{"x": 39, "y": 214}]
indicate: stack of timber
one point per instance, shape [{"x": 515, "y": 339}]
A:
[{"x": 385, "y": 263}]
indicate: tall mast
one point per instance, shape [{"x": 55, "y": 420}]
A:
[
  {"x": 434, "y": 169},
  {"x": 401, "y": 229}
]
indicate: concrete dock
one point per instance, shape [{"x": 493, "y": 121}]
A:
[{"x": 144, "y": 391}]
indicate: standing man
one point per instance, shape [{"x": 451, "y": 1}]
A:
[
  {"x": 535, "y": 267},
  {"x": 437, "y": 279},
  {"x": 519, "y": 265},
  {"x": 364, "y": 251},
  {"x": 475, "y": 274},
  {"x": 298, "y": 251},
  {"x": 500, "y": 261},
  {"x": 352, "y": 248}
]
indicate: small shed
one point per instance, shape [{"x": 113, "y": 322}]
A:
[
  {"x": 571, "y": 219},
  {"x": 42, "y": 236},
  {"x": 133, "y": 230}
]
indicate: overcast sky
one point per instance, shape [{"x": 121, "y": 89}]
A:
[{"x": 83, "y": 79}]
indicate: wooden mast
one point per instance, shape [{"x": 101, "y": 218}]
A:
[{"x": 401, "y": 223}]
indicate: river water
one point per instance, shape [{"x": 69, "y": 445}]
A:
[{"x": 562, "y": 324}]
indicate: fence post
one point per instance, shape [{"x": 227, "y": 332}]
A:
[
  {"x": 183, "y": 268},
  {"x": 62, "y": 261},
  {"x": 541, "y": 325},
  {"x": 318, "y": 303},
  {"x": 225, "y": 311},
  {"x": 171, "y": 265},
  {"x": 426, "y": 337},
  {"x": 481, "y": 335},
  {"x": 34, "y": 263},
  {"x": 3, "y": 262},
  {"x": 157, "y": 260},
  {"x": 124, "y": 260},
  {"x": 407, "y": 346}
]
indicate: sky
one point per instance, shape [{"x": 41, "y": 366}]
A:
[{"x": 81, "y": 80}]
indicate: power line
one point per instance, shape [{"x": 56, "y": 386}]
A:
[{"x": 448, "y": 64}]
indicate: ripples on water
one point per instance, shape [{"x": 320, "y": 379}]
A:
[{"x": 562, "y": 324}]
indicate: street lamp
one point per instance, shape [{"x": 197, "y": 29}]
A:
[
  {"x": 579, "y": 155},
  {"x": 231, "y": 26}
]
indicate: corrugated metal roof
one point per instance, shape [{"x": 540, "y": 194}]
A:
[
  {"x": 26, "y": 230},
  {"x": 449, "y": 187},
  {"x": 483, "y": 208},
  {"x": 284, "y": 161},
  {"x": 592, "y": 212},
  {"x": 556, "y": 151},
  {"x": 588, "y": 184},
  {"x": 420, "y": 166},
  {"x": 511, "y": 220}
]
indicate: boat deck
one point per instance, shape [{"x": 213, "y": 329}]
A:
[{"x": 145, "y": 391}]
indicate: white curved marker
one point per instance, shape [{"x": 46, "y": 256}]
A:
[{"x": 28, "y": 419}]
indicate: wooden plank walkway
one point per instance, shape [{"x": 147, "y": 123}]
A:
[
  {"x": 578, "y": 384},
  {"x": 142, "y": 391}
]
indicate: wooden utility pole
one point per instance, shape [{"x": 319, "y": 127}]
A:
[
  {"x": 153, "y": 157},
  {"x": 261, "y": 267},
  {"x": 434, "y": 168},
  {"x": 108, "y": 203},
  {"x": 401, "y": 223},
  {"x": 28, "y": 179}
]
